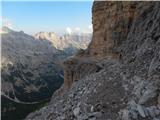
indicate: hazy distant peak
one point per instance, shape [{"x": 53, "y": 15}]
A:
[
  {"x": 45, "y": 35},
  {"x": 5, "y": 29},
  {"x": 65, "y": 41},
  {"x": 44, "y": 32}
]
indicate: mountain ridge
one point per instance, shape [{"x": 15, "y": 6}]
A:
[
  {"x": 31, "y": 70},
  {"x": 75, "y": 40}
]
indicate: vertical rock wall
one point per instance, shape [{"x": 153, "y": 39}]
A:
[{"x": 111, "y": 24}]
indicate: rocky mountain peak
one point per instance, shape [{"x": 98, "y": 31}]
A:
[
  {"x": 63, "y": 42},
  {"x": 46, "y": 35}
]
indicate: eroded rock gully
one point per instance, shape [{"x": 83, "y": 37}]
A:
[{"x": 118, "y": 76}]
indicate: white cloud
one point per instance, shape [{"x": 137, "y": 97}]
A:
[
  {"x": 87, "y": 29},
  {"x": 7, "y": 22},
  {"x": 77, "y": 29},
  {"x": 68, "y": 29},
  {"x": 90, "y": 27}
]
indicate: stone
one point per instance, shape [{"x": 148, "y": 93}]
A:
[
  {"x": 95, "y": 114},
  {"x": 155, "y": 118},
  {"x": 158, "y": 100},
  {"x": 76, "y": 111},
  {"x": 147, "y": 96},
  {"x": 76, "y": 68},
  {"x": 151, "y": 112},
  {"x": 141, "y": 110},
  {"x": 157, "y": 111},
  {"x": 125, "y": 115},
  {"x": 93, "y": 118},
  {"x": 134, "y": 115},
  {"x": 92, "y": 108}
]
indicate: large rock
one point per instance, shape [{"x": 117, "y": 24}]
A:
[{"x": 76, "y": 68}]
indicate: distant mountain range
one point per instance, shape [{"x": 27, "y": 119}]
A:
[
  {"x": 67, "y": 41},
  {"x": 31, "y": 65}
]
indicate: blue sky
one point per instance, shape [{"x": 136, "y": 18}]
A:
[{"x": 33, "y": 17}]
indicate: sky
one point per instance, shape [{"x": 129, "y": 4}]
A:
[{"x": 53, "y": 16}]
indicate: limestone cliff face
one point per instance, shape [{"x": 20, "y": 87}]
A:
[{"x": 111, "y": 24}]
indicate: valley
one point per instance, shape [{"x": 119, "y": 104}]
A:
[{"x": 31, "y": 69}]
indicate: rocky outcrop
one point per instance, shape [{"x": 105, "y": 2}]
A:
[
  {"x": 127, "y": 49},
  {"x": 76, "y": 68}
]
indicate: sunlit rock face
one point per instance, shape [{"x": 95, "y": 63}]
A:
[{"x": 111, "y": 24}]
